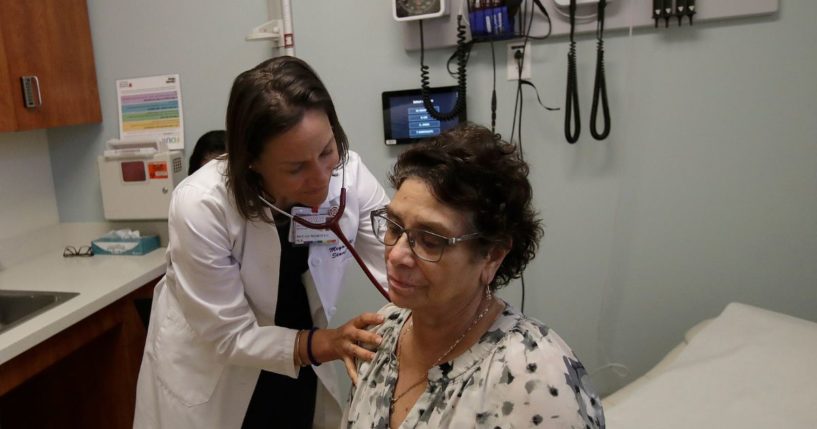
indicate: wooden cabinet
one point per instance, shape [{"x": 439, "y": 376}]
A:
[
  {"x": 83, "y": 377},
  {"x": 50, "y": 42}
]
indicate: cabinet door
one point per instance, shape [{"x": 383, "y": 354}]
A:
[
  {"x": 50, "y": 39},
  {"x": 8, "y": 120}
]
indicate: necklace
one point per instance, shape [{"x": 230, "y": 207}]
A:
[{"x": 488, "y": 299}]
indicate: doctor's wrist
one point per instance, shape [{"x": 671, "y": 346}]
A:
[
  {"x": 322, "y": 346},
  {"x": 312, "y": 359}
]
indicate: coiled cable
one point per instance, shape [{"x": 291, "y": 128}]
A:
[
  {"x": 572, "y": 120},
  {"x": 600, "y": 87},
  {"x": 462, "y": 61},
  {"x": 493, "y": 90}
]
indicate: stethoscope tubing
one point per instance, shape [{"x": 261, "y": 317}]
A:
[{"x": 333, "y": 225}]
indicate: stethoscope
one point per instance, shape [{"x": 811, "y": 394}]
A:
[{"x": 333, "y": 224}]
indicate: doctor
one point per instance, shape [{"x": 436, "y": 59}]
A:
[{"x": 238, "y": 325}]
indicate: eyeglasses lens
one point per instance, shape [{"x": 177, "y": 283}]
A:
[{"x": 425, "y": 245}]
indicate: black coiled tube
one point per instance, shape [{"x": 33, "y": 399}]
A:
[
  {"x": 573, "y": 122},
  {"x": 462, "y": 61},
  {"x": 572, "y": 130},
  {"x": 600, "y": 87},
  {"x": 600, "y": 90}
]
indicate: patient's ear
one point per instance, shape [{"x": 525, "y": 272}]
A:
[{"x": 493, "y": 259}]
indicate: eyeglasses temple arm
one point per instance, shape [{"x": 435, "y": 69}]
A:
[
  {"x": 336, "y": 229},
  {"x": 455, "y": 240}
]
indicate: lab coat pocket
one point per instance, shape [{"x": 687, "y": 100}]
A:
[
  {"x": 189, "y": 370},
  {"x": 331, "y": 259}
]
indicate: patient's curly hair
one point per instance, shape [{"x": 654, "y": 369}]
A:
[{"x": 470, "y": 169}]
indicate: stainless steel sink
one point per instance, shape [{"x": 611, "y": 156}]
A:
[{"x": 17, "y": 306}]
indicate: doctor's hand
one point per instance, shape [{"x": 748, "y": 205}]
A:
[{"x": 349, "y": 342}]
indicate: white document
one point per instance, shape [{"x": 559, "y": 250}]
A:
[{"x": 151, "y": 107}]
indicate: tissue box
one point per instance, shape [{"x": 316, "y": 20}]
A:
[{"x": 107, "y": 245}]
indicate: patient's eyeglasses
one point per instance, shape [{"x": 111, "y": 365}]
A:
[
  {"x": 71, "y": 251},
  {"x": 426, "y": 245}
]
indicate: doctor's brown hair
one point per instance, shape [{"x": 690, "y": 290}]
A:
[
  {"x": 265, "y": 102},
  {"x": 471, "y": 170}
]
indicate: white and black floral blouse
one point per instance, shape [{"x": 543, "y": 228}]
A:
[{"x": 520, "y": 374}]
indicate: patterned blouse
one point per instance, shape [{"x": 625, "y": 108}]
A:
[{"x": 520, "y": 374}]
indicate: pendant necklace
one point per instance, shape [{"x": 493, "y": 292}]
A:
[{"x": 395, "y": 398}]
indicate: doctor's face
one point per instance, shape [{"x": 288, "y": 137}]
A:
[{"x": 296, "y": 166}]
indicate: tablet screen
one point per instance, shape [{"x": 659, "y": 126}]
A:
[{"x": 405, "y": 119}]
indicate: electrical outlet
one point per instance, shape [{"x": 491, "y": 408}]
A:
[{"x": 515, "y": 55}]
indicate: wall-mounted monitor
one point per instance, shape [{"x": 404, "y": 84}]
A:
[{"x": 405, "y": 119}]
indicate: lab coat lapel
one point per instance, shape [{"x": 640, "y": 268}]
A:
[
  {"x": 327, "y": 261},
  {"x": 260, "y": 269}
]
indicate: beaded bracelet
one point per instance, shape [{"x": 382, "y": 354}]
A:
[{"x": 309, "y": 354}]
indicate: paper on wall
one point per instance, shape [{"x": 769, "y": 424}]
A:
[{"x": 151, "y": 107}]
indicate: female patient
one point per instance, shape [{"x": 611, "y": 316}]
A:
[{"x": 461, "y": 226}]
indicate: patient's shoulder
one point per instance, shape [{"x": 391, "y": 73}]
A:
[
  {"x": 525, "y": 337},
  {"x": 393, "y": 317},
  {"x": 533, "y": 369}
]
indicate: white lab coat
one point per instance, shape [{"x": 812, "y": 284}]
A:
[{"x": 212, "y": 323}]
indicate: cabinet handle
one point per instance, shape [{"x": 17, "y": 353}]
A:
[{"x": 31, "y": 86}]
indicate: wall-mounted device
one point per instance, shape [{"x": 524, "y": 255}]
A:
[
  {"x": 406, "y": 120},
  {"x": 137, "y": 178},
  {"x": 621, "y": 15},
  {"x": 566, "y": 3},
  {"x": 410, "y": 10}
]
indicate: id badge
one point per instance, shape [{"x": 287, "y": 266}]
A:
[{"x": 300, "y": 235}]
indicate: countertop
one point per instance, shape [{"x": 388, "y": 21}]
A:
[{"x": 99, "y": 280}]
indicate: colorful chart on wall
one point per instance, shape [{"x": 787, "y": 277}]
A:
[{"x": 151, "y": 106}]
